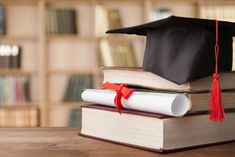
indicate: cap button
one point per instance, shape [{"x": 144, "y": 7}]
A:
[{"x": 215, "y": 76}]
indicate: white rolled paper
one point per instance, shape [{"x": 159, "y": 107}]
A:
[{"x": 163, "y": 103}]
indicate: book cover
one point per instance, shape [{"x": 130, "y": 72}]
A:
[
  {"x": 154, "y": 132},
  {"x": 140, "y": 78}
]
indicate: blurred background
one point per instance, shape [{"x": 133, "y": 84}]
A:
[{"x": 50, "y": 50}]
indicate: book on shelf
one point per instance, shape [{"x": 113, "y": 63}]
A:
[
  {"x": 75, "y": 86},
  {"x": 26, "y": 116},
  {"x": 139, "y": 77},
  {"x": 153, "y": 131},
  {"x": 157, "y": 13},
  {"x": 10, "y": 56},
  {"x": 2, "y": 20},
  {"x": 61, "y": 21},
  {"x": 14, "y": 90},
  {"x": 106, "y": 18},
  {"x": 75, "y": 118},
  {"x": 117, "y": 53}
]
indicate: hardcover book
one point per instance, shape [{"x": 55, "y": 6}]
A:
[
  {"x": 139, "y": 77},
  {"x": 152, "y": 131}
]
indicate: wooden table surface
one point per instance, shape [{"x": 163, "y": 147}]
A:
[{"x": 65, "y": 142}]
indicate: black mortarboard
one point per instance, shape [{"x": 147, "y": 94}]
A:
[{"x": 183, "y": 49}]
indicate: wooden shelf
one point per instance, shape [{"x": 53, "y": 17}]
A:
[
  {"x": 121, "y": 37},
  {"x": 17, "y": 38},
  {"x": 43, "y": 44},
  {"x": 19, "y": 105},
  {"x": 93, "y": 38},
  {"x": 18, "y": 2},
  {"x": 71, "y": 72},
  {"x": 69, "y": 37},
  {"x": 69, "y": 105},
  {"x": 17, "y": 72},
  {"x": 68, "y": 2}
]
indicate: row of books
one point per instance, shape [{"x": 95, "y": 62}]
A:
[
  {"x": 10, "y": 56},
  {"x": 2, "y": 20},
  {"x": 120, "y": 53},
  {"x": 105, "y": 19},
  {"x": 64, "y": 20},
  {"x": 109, "y": 18},
  {"x": 75, "y": 118},
  {"x": 75, "y": 86},
  {"x": 14, "y": 90},
  {"x": 117, "y": 53},
  {"x": 61, "y": 21},
  {"x": 27, "y": 116}
]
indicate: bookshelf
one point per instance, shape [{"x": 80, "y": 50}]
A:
[{"x": 49, "y": 60}]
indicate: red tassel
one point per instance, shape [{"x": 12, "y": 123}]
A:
[{"x": 216, "y": 108}]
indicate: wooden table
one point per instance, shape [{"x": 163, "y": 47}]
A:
[{"x": 65, "y": 142}]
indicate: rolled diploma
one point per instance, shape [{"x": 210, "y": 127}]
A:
[{"x": 163, "y": 103}]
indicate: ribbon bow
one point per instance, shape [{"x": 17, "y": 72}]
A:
[{"x": 121, "y": 91}]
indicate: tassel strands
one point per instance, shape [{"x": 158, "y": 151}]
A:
[{"x": 216, "y": 110}]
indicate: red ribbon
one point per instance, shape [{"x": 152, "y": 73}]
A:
[
  {"x": 121, "y": 91},
  {"x": 216, "y": 106}
]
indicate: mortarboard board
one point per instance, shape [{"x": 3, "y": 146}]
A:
[
  {"x": 185, "y": 49},
  {"x": 182, "y": 49}
]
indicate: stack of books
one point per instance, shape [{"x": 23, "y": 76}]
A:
[{"x": 159, "y": 115}]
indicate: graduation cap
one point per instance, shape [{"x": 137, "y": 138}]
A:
[{"x": 183, "y": 49}]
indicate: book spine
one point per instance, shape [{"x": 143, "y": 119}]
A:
[
  {"x": 2, "y": 20},
  {"x": 73, "y": 21},
  {"x": 15, "y": 57},
  {"x": 48, "y": 21},
  {"x": 75, "y": 118}
]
